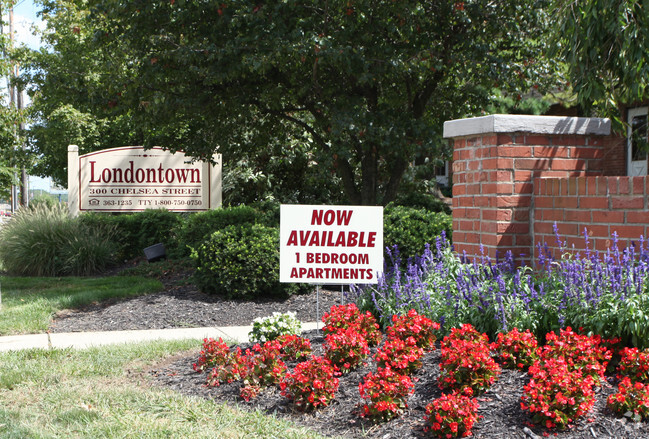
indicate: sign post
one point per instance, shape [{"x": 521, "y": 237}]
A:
[{"x": 331, "y": 245}]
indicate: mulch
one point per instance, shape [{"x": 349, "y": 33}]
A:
[{"x": 182, "y": 305}]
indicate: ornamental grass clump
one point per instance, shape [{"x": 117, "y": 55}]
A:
[
  {"x": 557, "y": 394},
  {"x": 452, "y": 415},
  {"x": 631, "y": 399},
  {"x": 311, "y": 384},
  {"x": 345, "y": 316},
  {"x": 346, "y": 349},
  {"x": 387, "y": 392},
  {"x": 515, "y": 349}
]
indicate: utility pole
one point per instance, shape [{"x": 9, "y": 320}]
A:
[{"x": 16, "y": 100}]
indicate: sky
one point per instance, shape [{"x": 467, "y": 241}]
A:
[{"x": 24, "y": 19}]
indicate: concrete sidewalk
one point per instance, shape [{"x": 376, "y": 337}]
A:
[{"x": 81, "y": 340}]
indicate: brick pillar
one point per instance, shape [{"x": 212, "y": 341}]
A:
[{"x": 495, "y": 161}]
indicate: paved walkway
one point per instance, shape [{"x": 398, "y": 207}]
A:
[{"x": 80, "y": 340}]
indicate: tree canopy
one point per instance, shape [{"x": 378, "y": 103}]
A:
[
  {"x": 367, "y": 83},
  {"x": 345, "y": 96},
  {"x": 605, "y": 44}
]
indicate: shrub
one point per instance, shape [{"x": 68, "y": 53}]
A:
[
  {"x": 631, "y": 399},
  {"x": 199, "y": 226},
  {"x": 136, "y": 231},
  {"x": 634, "y": 364},
  {"x": 232, "y": 369},
  {"x": 311, "y": 384},
  {"x": 242, "y": 262},
  {"x": 516, "y": 349},
  {"x": 264, "y": 367},
  {"x": 419, "y": 327},
  {"x": 452, "y": 415},
  {"x": 294, "y": 348},
  {"x": 214, "y": 352},
  {"x": 269, "y": 328},
  {"x": 46, "y": 241},
  {"x": 346, "y": 349},
  {"x": 387, "y": 392},
  {"x": 556, "y": 394},
  {"x": 410, "y": 229},
  {"x": 342, "y": 317},
  {"x": 402, "y": 356}
]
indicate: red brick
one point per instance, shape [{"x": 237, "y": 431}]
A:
[
  {"x": 460, "y": 143},
  {"x": 466, "y": 226},
  {"x": 567, "y": 201},
  {"x": 459, "y": 178},
  {"x": 490, "y": 140},
  {"x": 612, "y": 183},
  {"x": 459, "y": 167},
  {"x": 638, "y": 185},
  {"x": 489, "y": 214},
  {"x": 641, "y": 217},
  {"x": 629, "y": 232},
  {"x": 515, "y": 151},
  {"x": 514, "y": 228},
  {"x": 591, "y": 182},
  {"x": 473, "y": 141},
  {"x": 523, "y": 240},
  {"x": 556, "y": 174},
  {"x": 588, "y": 153},
  {"x": 593, "y": 203},
  {"x": 514, "y": 201},
  {"x": 503, "y": 176},
  {"x": 505, "y": 139},
  {"x": 552, "y": 215},
  {"x": 532, "y": 164},
  {"x": 523, "y": 188},
  {"x": 472, "y": 213},
  {"x": 484, "y": 175},
  {"x": 572, "y": 186},
  {"x": 522, "y": 175},
  {"x": 552, "y": 151},
  {"x": 607, "y": 216},
  {"x": 466, "y": 201},
  {"x": 563, "y": 187},
  {"x": 455, "y": 202},
  {"x": 569, "y": 140},
  {"x": 627, "y": 202},
  {"x": 567, "y": 165},
  {"x": 602, "y": 185},
  {"x": 543, "y": 202},
  {"x": 483, "y": 201},
  {"x": 537, "y": 140},
  {"x": 459, "y": 189},
  {"x": 624, "y": 186},
  {"x": 522, "y": 214},
  {"x": 578, "y": 215},
  {"x": 488, "y": 227},
  {"x": 595, "y": 230},
  {"x": 473, "y": 165}
]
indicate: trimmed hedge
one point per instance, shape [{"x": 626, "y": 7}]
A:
[{"x": 242, "y": 262}]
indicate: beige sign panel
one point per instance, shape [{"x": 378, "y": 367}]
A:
[{"x": 132, "y": 179}]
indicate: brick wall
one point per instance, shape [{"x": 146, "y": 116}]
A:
[
  {"x": 499, "y": 165},
  {"x": 602, "y": 205}
]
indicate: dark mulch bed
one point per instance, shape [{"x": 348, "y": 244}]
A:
[
  {"x": 500, "y": 406},
  {"x": 181, "y": 305}
]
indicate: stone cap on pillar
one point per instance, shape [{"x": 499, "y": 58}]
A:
[{"x": 516, "y": 123}]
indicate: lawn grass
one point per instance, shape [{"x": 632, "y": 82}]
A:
[
  {"x": 29, "y": 303},
  {"x": 104, "y": 392}
]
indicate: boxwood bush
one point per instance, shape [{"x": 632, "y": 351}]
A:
[
  {"x": 410, "y": 229},
  {"x": 242, "y": 262}
]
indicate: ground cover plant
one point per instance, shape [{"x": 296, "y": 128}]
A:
[
  {"x": 105, "y": 392},
  {"x": 29, "y": 304}
]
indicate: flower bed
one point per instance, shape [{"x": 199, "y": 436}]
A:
[{"x": 559, "y": 394}]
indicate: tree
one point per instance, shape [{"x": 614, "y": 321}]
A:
[
  {"x": 368, "y": 82},
  {"x": 68, "y": 81},
  {"x": 605, "y": 44}
]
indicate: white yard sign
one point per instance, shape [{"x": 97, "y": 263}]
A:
[
  {"x": 331, "y": 244},
  {"x": 132, "y": 179}
]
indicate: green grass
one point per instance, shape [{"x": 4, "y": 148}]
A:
[
  {"x": 29, "y": 303},
  {"x": 104, "y": 392}
]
